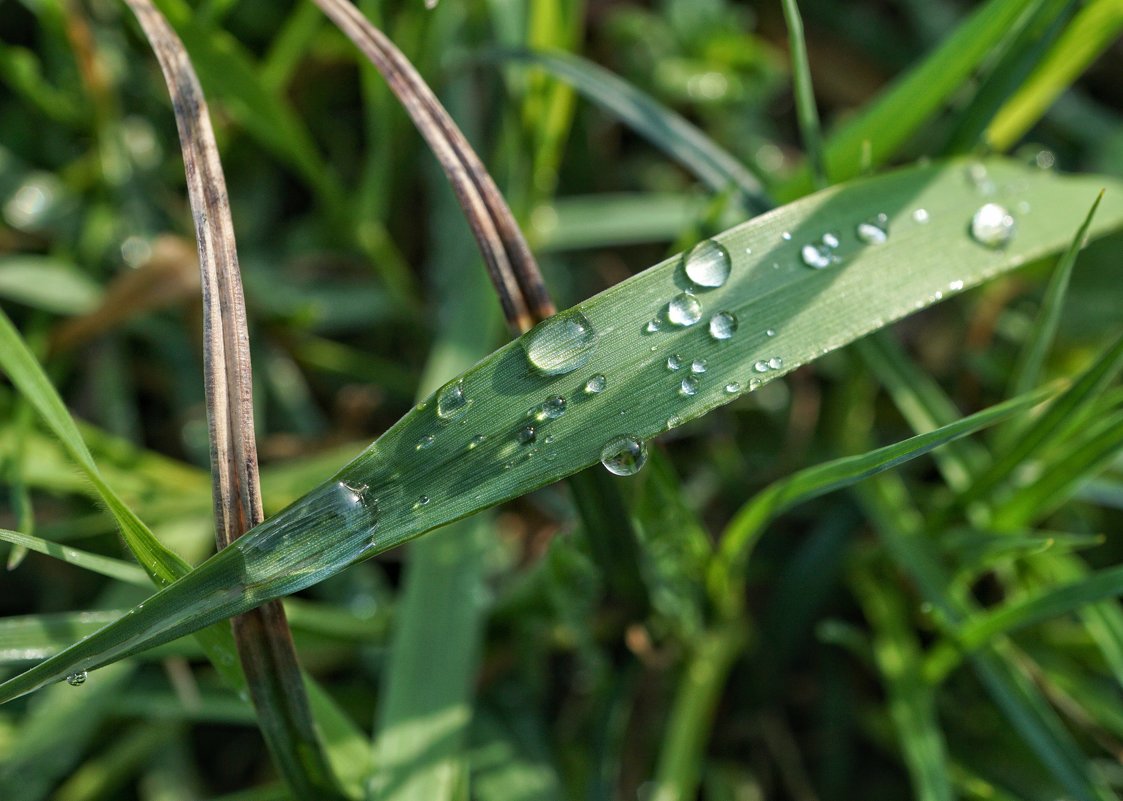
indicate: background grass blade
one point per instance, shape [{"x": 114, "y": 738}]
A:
[
  {"x": 369, "y": 506},
  {"x": 806, "y": 112}
]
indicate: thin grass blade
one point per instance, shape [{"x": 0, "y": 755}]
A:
[
  {"x": 806, "y": 111},
  {"x": 105, "y": 565}
]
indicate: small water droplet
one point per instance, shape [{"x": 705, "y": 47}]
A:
[
  {"x": 426, "y": 441},
  {"x": 674, "y": 362},
  {"x": 707, "y": 264},
  {"x": 528, "y": 434},
  {"x": 748, "y": 251},
  {"x": 76, "y": 679},
  {"x": 552, "y": 408},
  {"x": 698, "y": 366},
  {"x": 874, "y": 231},
  {"x": 476, "y": 441},
  {"x": 653, "y": 325},
  {"x": 817, "y": 256},
  {"x": 674, "y": 421},
  {"x": 560, "y": 344},
  {"x": 624, "y": 456},
  {"x": 786, "y": 236},
  {"x": 920, "y": 216},
  {"x": 992, "y": 226},
  {"x": 451, "y": 400},
  {"x": 761, "y": 366},
  {"x": 732, "y": 388},
  {"x": 684, "y": 310},
  {"x": 775, "y": 363},
  {"x": 770, "y": 332},
  {"x": 955, "y": 286},
  {"x": 421, "y": 501},
  {"x": 830, "y": 239},
  {"x": 689, "y": 386},
  {"x": 596, "y": 385},
  {"x": 723, "y": 325}
]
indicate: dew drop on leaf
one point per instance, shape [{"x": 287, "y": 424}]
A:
[
  {"x": 698, "y": 366},
  {"x": 560, "y": 344},
  {"x": 689, "y": 386},
  {"x": 426, "y": 441},
  {"x": 707, "y": 264},
  {"x": 451, "y": 400},
  {"x": 674, "y": 362},
  {"x": 624, "y": 455},
  {"x": 732, "y": 388},
  {"x": 874, "y": 231},
  {"x": 528, "y": 434},
  {"x": 992, "y": 226},
  {"x": 723, "y": 325},
  {"x": 76, "y": 679},
  {"x": 817, "y": 256},
  {"x": 684, "y": 310},
  {"x": 596, "y": 385},
  {"x": 920, "y": 216}
]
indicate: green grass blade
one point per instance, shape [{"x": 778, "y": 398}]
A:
[
  {"x": 106, "y": 566},
  {"x": 1027, "y": 370},
  {"x": 668, "y": 131},
  {"x": 806, "y": 111},
  {"x": 369, "y": 506},
  {"x": 911, "y": 101},
  {"x": 1095, "y": 27}
]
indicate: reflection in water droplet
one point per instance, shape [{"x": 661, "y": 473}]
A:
[
  {"x": 761, "y": 367},
  {"x": 426, "y": 441},
  {"x": 732, "y": 387},
  {"x": 674, "y": 421},
  {"x": 684, "y": 310},
  {"x": 874, "y": 231},
  {"x": 528, "y": 434},
  {"x": 451, "y": 400},
  {"x": 817, "y": 256},
  {"x": 596, "y": 385},
  {"x": 775, "y": 363},
  {"x": 674, "y": 362},
  {"x": 624, "y": 456},
  {"x": 421, "y": 501},
  {"x": 830, "y": 239},
  {"x": 76, "y": 679},
  {"x": 992, "y": 226},
  {"x": 698, "y": 366},
  {"x": 561, "y": 343},
  {"x": 707, "y": 264},
  {"x": 920, "y": 216},
  {"x": 476, "y": 441},
  {"x": 689, "y": 386},
  {"x": 723, "y": 325},
  {"x": 786, "y": 236}
]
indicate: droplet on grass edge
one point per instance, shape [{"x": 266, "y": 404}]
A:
[{"x": 624, "y": 455}]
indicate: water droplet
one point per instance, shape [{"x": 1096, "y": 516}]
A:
[
  {"x": 431, "y": 4},
  {"x": 920, "y": 216},
  {"x": 732, "y": 388},
  {"x": 770, "y": 332},
  {"x": 748, "y": 251},
  {"x": 421, "y": 501},
  {"x": 76, "y": 679},
  {"x": 830, "y": 239},
  {"x": 955, "y": 286},
  {"x": 561, "y": 343},
  {"x": 977, "y": 175},
  {"x": 674, "y": 362},
  {"x": 624, "y": 456},
  {"x": 674, "y": 421},
  {"x": 707, "y": 264},
  {"x": 476, "y": 441},
  {"x": 775, "y": 363},
  {"x": 817, "y": 256},
  {"x": 1045, "y": 159},
  {"x": 689, "y": 386},
  {"x": 698, "y": 366},
  {"x": 451, "y": 400},
  {"x": 684, "y": 310},
  {"x": 992, "y": 226},
  {"x": 653, "y": 325},
  {"x": 874, "y": 231},
  {"x": 552, "y": 408},
  {"x": 761, "y": 367},
  {"x": 786, "y": 236},
  {"x": 528, "y": 434},
  {"x": 723, "y": 325},
  {"x": 426, "y": 441},
  {"x": 596, "y": 385}
]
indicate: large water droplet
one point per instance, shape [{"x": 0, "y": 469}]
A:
[
  {"x": 596, "y": 385},
  {"x": 992, "y": 226},
  {"x": 723, "y": 325},
  {"x": 698, "y": 366},
  {"x": 775, "y": 363},
  {"x": 674, "y": 362},
  {"x": 689, "y": 386},
  {"x": 76, "y": 679},
  {"x": 624, "y": 456},
  {"x": 561, "y": 343},
  {"x": 874, "y": 231},
  {"x": 451, "y": 400},
  {"x": 761, "y": 366},
  {"x": 732, "y": 388},
  {"x": 684, "y": 309},
  {"x": 707, "y": 264},
  {"x": 817, "y": 256}
]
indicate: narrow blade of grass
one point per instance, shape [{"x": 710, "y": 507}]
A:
[
  {"x": 106, "y": 566},
  {"x": 806, "y": 111},
  {"x": 369, "y": 506}
]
